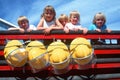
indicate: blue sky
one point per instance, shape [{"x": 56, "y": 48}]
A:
[{"x": 10, "y": 10}]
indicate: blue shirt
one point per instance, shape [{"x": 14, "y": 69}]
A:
[{"x": 94, "y": 27}]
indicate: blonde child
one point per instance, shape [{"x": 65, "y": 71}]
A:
[
  {"x": 99, "y": 25},
  {"x": 63, "y": 19},
  {"x": 24, "y": 26},
  {"x": 48, "y": 21},
  {"x": 74, "y": 24},
  {"x": 23, "y": 23}
]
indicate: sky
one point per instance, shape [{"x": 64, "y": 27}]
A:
[{"x": 10, "y": 10}]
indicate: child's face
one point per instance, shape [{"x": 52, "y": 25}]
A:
[
  {"x": 63, "y": 22},
  {"x": 99, "y": 22},
  {"x": 49, "y": 15},
  {"x": 24, "y": 24},
  {"x": 74, "y": 19}
]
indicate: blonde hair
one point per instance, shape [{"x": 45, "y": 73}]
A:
[
  {"x": 49, "y": 7},
  {"x": 22, "y": 18},
  {"x": 99, "y": 15},
  {"x": 76, "y": 13},
  {"x": 63, "y": 17}
]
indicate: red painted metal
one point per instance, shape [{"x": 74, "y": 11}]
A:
[
  {"x": 72, "y": 66},
  {"x": 107, "y": 51},
  {"x": 60, "y": 36},
  {"x": 110, "y": 65}
]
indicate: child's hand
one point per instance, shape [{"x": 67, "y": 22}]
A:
[
  {"x": 85, "y": 30},
  {"x": 76, "y": 29},
  {"x": 66, "y": 30},
  {"x": 29, "y": 30},
  {"x": 108, "y": 30},
  {"x": 10, "y": 29},
  {"x": 98, "y": 30},
  {"x": 47, "y": 30},
  {"x": 21, "y": 30}
]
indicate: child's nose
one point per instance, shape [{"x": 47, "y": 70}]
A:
[
  {"x": 48, "y": 14},
  {"x": 23, "y": 24},
  {"x": 76, "y": 18},
  {"x": 64, "y": 22}
]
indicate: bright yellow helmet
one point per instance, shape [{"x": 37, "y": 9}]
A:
[
  {"x": 36, "y": 58},
  {"x": 80, "y": 49},
  {"x": 34, "y": 44},
  {"x": 78, "y": 41},
  {"x": 55, "y": 45},
  {"x": 15, "y": 54},
  {"x": 59, "y": 55}
]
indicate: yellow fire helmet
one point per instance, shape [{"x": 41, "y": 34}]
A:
[
  {"x": 58, "y": 53},
  {"x": 15, "y": 54},
  {"x": 34, "y": 44},
  {"x": 55, "y": 45},
  {"x": 13, "y": 43},
  {"x": 82, "y": 51},
  {"x": 81, "y": 48},
  {"x": 78, "y": 41},
  {"x": 37, "y": 58}
]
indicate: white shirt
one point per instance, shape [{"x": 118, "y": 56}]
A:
[
  {"x": 47, "y": 24},
  {"x": 32, "y": 27},
  {"x": 72, "y": 27}
]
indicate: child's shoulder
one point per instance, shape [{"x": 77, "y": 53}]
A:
[{"x": 92, "y": 25}]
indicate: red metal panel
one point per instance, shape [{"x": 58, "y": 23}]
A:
[
  {"x": 60, "y": 36},
  {"x": 107, "y": 51},
  {"x": 108, "y": 65},
  {"x": 75, "y": 66},
  {"x": 5, "y": 68}
]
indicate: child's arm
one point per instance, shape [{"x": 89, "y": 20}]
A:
[
  {"x": 93, "y": 27},
  {"x": 66, "y": 29},
  {"x": 13, "y": 28},
  {"x": 98, "y": 30},
  {"x": 108, "y": 30},
  {"x": 85, "y": 30},
  {"x": 20, "y": 29},
  {"x": 58, "y": 24},
  {"x": 40, "y": 25}
]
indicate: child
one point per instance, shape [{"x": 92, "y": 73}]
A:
[
  {"x": 24, "y": 26},
  {"x": 74, "y": 24},
  {"x": 48, "y": 21},
  {"x": 99, "y": 25},
  {"x": 23, "y": 23},
  {"x": 63, "y": 19}
]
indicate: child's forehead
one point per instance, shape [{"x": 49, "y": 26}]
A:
[
  {"x": 23, "y": 21},
  {"x": 100, "y": 17},
  {"x": 64, "y": 19},
  {"x": 48, "y": 11},
  {"x": 76, "y": 15}
]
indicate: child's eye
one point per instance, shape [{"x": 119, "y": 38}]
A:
[{"x": 100, "y": 19}]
